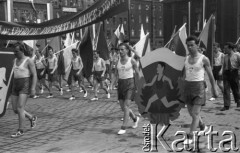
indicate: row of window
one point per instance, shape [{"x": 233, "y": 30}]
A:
[
  {"x": 22, "y": 15},
  {"x": 147, "y": 7},
  {"x": 124, "y": 20}
]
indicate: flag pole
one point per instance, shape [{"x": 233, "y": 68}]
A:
[
  {"x": 204, "y": 9},
  {"x": 189, "y": 18},
  {"x": 129, "y": 17}
]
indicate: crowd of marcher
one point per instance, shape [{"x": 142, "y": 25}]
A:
[{"x": 39, "y": 72}]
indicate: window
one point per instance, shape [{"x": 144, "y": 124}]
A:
[
  {"x": 125, "y": 20},
  {"x": 147, "y": 7},
  {"x": 120, "y": 20},
  {"x": 160, "y": 19},
  {"x": 147, "y": 19},
  {"x": 160, "y": 8},
  {"x": 160, "y": 32},
  {"x": 132, "y": 32},
  {"x": 139, "y": 7},
  {"x": 132, "y": 18},
  {"x": 132, "y": 6}
]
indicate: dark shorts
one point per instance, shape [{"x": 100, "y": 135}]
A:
[
  {"x": 216, "y": 70},
  {"x": 39, "y": 71},
  {"x": 194, "y": 93},
  {"x": 77, "y": 77},
  {"x": 126, "y": 89},
  {"x": 97, "y": 75},
  {"x": 52, "y": 77},
  {"x": 21, "y": 86},
  {"x": 107, "y": 69}
]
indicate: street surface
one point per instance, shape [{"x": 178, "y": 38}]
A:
[{"x": 84, "y": 126}]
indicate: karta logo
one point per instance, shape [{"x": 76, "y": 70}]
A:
[
  {"x": 152, "y": 137},
  {"x": 6, "y": 64}
]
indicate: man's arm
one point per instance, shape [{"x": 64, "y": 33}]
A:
[
  {"x": 104, "y": 66},
  {"x": 55, "y": 65},
  {"x": 208, "y": 69},
  {"x": 32, "y": 69}
]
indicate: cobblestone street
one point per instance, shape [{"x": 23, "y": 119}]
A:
[{"x": 85, "y": 126}]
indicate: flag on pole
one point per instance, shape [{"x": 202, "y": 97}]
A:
[
  {"x": 102, "y": 44},
  {"x": 158, "y": 98},
  {"x": 66, "y": 58},
  {"x": 142, "y": 34},
  {"x": 178, "y": 42},
  {"x": 122, "y": 35},
  {"x": 114, "y": 39},
  {"x": 142, "y": 46},
  {"x": 86, "y": 53},
  {"x": 207, "y": 38}
]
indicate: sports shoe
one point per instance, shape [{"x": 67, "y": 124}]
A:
[
  {"x": 50, "y": 96},
  {"x": 61, "y": 91},
  {"x": 94, "y": 99},
  {"x": 212, "y": 99},
  {"x": 108, "y": 95},
  {"x": 203, "y": 129},
  {"x": 121, "y": 132},
  {"x": 41, "y": 91},
  {"x": 33, "y": 122},
  {"x": 187, "y": 141},
  {"x": 115, "y": 88},
  {"x": 136, "y": 123},
  {"x": 80, "y": 90},
  {"x": 68, "y": 90},
  {"x": 72, "y": 98},
  {"x": 35, "y": 96},
  {"x": 85, "y": 94},
  {"x": 67, "y": 85},
  {"x": 17, "y": 134},
  {"x": 90, "y": 86}
]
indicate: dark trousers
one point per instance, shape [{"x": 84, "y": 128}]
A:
[{"x": 230, "y": 81}]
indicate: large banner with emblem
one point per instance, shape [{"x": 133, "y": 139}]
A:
[
  {"x": 99, "y": 11},
  {"x": 6, "y": 73}
]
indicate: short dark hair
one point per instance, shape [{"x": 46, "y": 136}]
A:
[
  {"x": 22, "y": 48},
  {"x": 192, "y": 38},
  {"x": 230, "y": 45},
  {"x": 127, "y": 47},
  {"x": 49, "y": 47}
]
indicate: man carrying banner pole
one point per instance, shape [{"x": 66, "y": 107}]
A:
[
  {"x": 195, "y": 66},
  {"x": 22, "y": 68}
]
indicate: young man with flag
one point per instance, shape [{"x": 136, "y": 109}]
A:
[
  {"x": 76, "y": 73},
  {"x": 40, "y": 64},
  {"x": 99, "y": 69},
  {"x": 51, "y": 71},
  {"x": 23, "y": 67},
  {"x": 195, "y": 66}
]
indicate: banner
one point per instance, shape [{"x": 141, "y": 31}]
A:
[
  {"x": 5, "y": 78},
  {"x": 159, "y": 95},
  {"x": 99, "y": 11}
]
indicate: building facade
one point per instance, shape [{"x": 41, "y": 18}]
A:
[
  {"x": 142, "y": 12},
  {"x": 227, "y": 17}
]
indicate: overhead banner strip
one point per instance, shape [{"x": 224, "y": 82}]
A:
[{"x": 99, "y": 11}]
